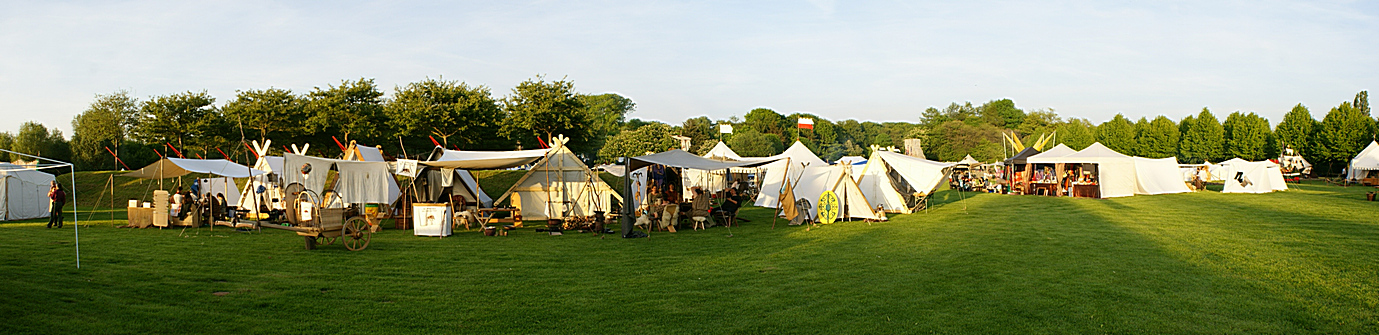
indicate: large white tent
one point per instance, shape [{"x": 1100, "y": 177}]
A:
[
  {"x": 895, "y": 182},
  {"x": 1116, "y": 171},
  {"x": 787, "y": 165},
  {"x": 722, "y": 152},
  {"x": 1364, "y": 162},
  {"x": 1243, "y": 176},
  {"x": 355, "y": 183},
  {"x": 177, "y": 167},
  {"x": 23, "y": 192},
  {"x": 484, "y": 160}
]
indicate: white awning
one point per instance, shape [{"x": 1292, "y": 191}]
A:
[
  {"x": 177, "y": 167},
  {"x": 482, "y": 160},
  {"x": 681, "y": 159}
]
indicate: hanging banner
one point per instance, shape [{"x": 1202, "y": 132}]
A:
[
  {"x": 725, "y": 129},
  {"x": 406, "y": 167}
]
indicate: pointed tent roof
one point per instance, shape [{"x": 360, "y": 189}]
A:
[
  {"x": 721, "y": 151},
  {"x": 798, "y": 153},
  {"x": 969, "y": 161},
  {"x": 816, "y": 179},
  {"x": 1019, "y": 158},
  {"x": 363, "y": 153},
  {"x": 1057, "y": 151}
]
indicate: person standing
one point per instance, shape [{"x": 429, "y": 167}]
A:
[{"x": 57, "y": 198}]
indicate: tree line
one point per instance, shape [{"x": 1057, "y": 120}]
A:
[{"x": 417, "y": 116}]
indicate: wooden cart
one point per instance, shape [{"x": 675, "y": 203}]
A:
[{"x": 329, "y": 224}]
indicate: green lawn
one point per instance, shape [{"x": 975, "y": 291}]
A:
[{"x": 1301, "y": 261}]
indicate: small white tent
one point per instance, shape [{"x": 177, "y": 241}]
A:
[
  {"x": 722, "y": 152},
  {"x": 1252, "y": 177},
  {"x": 787, "y": 164},
  {"x": 559, "y": 186},
  {"x": 896, "y": 182},
  {"x": 1158, "y": 176},
  {"x": 1364, "y": 162},
  {"x": 814, "y": 180},
  {"x": 23, "y": 192}
]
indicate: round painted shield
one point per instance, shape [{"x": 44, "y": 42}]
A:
[{"x": 828, "y": 207}]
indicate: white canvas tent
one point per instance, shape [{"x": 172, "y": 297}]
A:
[
  {"x": 1158, "y": 176},
  {"x": 896, "y": 182},
  {"x": 1364, "y": 162},
  {"x": 483, "y": 160},
  {"x": 968, "y": 161},
  {"x": 816, "y": 179},
  {"x": 220, "y": 185},
  {"x": 363, "y": 153},
  {"x": 557, "y": 186},
  {"x": 722, "y": 152},
  {"x": 23, "y": 192},
  {"x": 786, "y": 164},
  {"x": 1243, "y": 176},
  {"x": 177, "y": 167}
]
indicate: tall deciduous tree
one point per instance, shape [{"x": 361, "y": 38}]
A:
[
  {"x": 1159, "y": 138},
  {"x": 447, "y": 110},
  {"x": 7, "y": 143},
  {"x": 1002, "y": 113},
  {"x": 538, "y": 108},
  {"x": 700, "y": 130},
  {"x": 955, "y": 139},
  {"x": 1247, "y": 136},
  {"x": 1203, "y": 139},
  {"x": 35, "y": 139},
  {"x": 1342, "y": 134},
  {"x": 102, "y": 125},
  {"x": 608, "y": 113},
  {"x": 1296, "y": 132},
  {"x": 271, "y": 113},
  {"x": 182, "y": 119},
  {"x": 354, "y": 110},
  {"x": 1117, "y": 134},
  {"x": 767, "y": 121}
]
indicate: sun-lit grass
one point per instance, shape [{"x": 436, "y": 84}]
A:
[{"x": 1301, "y": 261}]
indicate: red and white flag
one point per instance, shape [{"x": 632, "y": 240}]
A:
[{"x": 805, "y": 123}]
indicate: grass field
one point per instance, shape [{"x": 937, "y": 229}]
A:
[{"x": 1301, "y": 261}]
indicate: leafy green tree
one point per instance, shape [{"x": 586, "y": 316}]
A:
[
  {"x": 1039, "y": 122},
  {"x": 767, "y": 121},
  {"x": 354, "y": 110},
  {"x": 701, "y": 131},
  {"x": 1362, "y": 102},
  {"x": 271, "y": 113},
  {"x": 102, "y": 125},
  {"x": 608, "y": 113},
  {"x": 748, "y": 142},
  {"x": 955, "y": 139},
  {"x": 445, "y": 109},
  {"x": 1296, "y": 131},
  {"x": 35, "y": 139},
  {"x": 1158, "y": 139},
  {"x": 1247, "y": 136},
  {"x": 7, "y": 143},
  {"x": 538, "y": 108},
  {"x": 1203, "y": 140},
  {"x": 632, "y": 143},
  {"x": 1342, "y": 134},
  {"x": 1076, "y": 133},
  {"x": 1002, "y": 113},
  {"x": 1117, "y": 134},
  {"x": 182, "y": 119}
]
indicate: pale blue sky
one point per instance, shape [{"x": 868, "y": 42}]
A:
[{"x": 869, "y": 60}]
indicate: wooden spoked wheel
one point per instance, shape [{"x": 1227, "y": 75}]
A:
[{"x": 356, "y": 234}]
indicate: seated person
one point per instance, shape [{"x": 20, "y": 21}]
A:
[{"x": 699, "y": 204}]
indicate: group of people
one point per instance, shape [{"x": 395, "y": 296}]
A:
[
  {"x": 186, "y": 203},
  {"x": 666, "y": 210}
]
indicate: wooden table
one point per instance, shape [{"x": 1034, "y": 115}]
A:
[
  {"x": 1050, "y": 189},
  {"x": 140, "y": 217},
  {"x": 1086, "y": 190},
  {"x": 486, "y": 215}
]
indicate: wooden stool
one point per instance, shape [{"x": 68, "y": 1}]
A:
[{"x": 699, "y": 222}]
